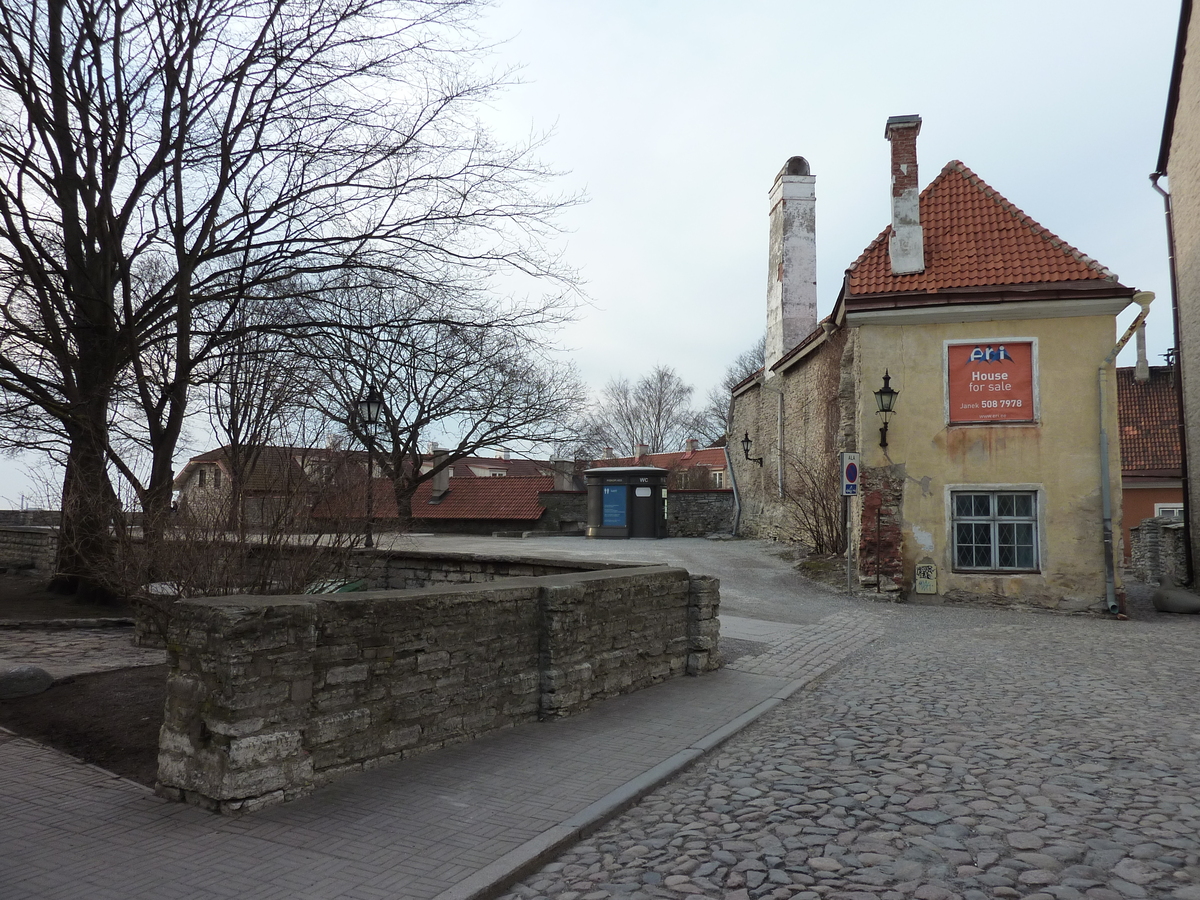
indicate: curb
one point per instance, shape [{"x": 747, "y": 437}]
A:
[{"x": 514, "y": 865}]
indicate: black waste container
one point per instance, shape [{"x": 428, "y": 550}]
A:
[{"x": 627, "y": 502}]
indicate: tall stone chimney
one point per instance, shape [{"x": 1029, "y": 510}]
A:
[
  {"x": 640, "y": 450},
  {"x": 441, "y": 481},
  {"x": 907, "y": 245},
  {"x": 791, "y": 260}
]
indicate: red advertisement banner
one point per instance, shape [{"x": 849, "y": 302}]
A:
[{"x": 990, "y": 381}]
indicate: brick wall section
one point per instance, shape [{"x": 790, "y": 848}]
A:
[
  {"x": 270, "y": 697},
  {"x": 882, "y": 491},
  {"x": 23, "y": 547},
  {"x": 699, "y": 513}
]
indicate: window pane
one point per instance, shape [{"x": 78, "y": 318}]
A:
[
  {"x": 1023, "y": 504},
  {"x": 983, "y": 505},
  {"x": 962, "y": 505},
  {"x": 1004, "y": 505},
  {"x": 974, "y": 545}
]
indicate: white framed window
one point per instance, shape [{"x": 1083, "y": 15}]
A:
[
  {"x": 995, "y": 530},
  {"x": 1170, "y": 510},
  {"x": 718, "y": 478}
]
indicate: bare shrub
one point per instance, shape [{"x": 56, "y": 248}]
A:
[{"x": 813, "y": 503}]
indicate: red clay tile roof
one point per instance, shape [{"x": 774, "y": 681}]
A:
[
  {"x": 522, "y": 468},
  {"x": 470, "y": 497},
  {"x": 682, "y": 459},
  {"x": 1149, "y": 416},
  {"x": 974, "y": 238}
]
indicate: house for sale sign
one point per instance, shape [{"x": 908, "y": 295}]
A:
[{"x": 990, "y": 381}]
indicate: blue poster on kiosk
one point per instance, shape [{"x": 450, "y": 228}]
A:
[{"x": 614, "y": 504}]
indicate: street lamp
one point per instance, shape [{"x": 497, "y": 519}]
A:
[
  {"x": 746, "y": 442},
  {"x": 885, "y": 399},
  {"x": 369, "y": 409}
]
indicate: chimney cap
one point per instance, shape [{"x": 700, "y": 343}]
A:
[
  {"x": 901, "y": 122},
  {"x": 796, "y": 165}
]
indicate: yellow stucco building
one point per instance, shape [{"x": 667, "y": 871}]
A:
[{"x": 987, "y": 484}]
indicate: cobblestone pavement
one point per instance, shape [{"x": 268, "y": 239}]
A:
[
  {"x": 73, "y": 651},
  {"x": 971, "y": 754}
]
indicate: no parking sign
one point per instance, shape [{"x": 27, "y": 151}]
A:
[{"x": 850, "y": 467}]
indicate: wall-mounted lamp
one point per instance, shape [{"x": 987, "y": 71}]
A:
[
  {"x": 746, "y": 442},
  {"x": 885, "y": 399}
]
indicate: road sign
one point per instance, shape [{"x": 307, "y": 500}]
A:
[{"x": 850, "y": 469}]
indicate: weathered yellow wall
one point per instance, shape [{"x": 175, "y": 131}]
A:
[{"x": 1061, "y": 454}]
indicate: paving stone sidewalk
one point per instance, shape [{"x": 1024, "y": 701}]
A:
[
  {"x": 74, "y": 651},
  {"x": 973, "y": 755}
]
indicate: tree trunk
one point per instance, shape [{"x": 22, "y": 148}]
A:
[{"x": 87, "y": 564}]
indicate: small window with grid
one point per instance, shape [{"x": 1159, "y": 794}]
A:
[{"x": 995, "y": 531}]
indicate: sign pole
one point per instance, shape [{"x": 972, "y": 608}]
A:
[
  {"x": 850, "y": 464},
  {"x": 849, "y": 563}
]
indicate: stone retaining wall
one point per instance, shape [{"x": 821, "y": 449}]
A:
[
  {"x": 699, "y": 513},
  {"x": 270, "y": 697},
  {"x": 28, "y": 547}
]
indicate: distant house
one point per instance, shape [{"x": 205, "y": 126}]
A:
[
  {"x": 690, "y": 468},
  {"x": 280, "y": 485},
  {"x": 985, "y": 482},
  {"x": 1151, "y": 466}
]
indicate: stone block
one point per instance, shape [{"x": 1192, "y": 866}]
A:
[
  {"x": 436, "y": 660},
  {"x": 23, "y": 681},
  {"x": 336, "y": 726},
  {"x": 346, "y": 674},
  {"x": 263, "y": 749}
]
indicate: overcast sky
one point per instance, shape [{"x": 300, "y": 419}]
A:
[{"x": 674, "y": 116}]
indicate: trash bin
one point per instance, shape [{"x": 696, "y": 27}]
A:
[{"x": 627, "y": 502}]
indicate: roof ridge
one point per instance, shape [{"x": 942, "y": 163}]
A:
[{"x": 1023, "y": 217}]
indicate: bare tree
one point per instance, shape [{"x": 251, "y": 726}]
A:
[
  {"x": 476, "y": 376},
  {"x": 163, "y": 164},
  {"x": 655, "y": 410},
  {"x": 714, "y": 417}
]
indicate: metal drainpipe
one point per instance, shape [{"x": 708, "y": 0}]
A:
[
  {"x": 737, "y": 500},
  {"x": 1181, "y": 428},
  {"x": 1143, "y": 299}
]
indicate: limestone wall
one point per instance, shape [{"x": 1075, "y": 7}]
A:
[
  {"x": 1157, "y": 551},
  {"x": 699, "y": 513},
  {"x": 24, "y": 547},
  {"x": 270, "y": 697}
]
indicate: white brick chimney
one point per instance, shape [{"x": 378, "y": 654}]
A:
[
  {"x": 441, "y": 481},
  {"x": 907, "y": 245},
  {"x": 791, "y": 260}
]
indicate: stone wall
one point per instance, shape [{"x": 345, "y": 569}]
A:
[
  {"x": 699, "y": 513},
  {"x": 1157, "y": 551},
  {"x": 397, "y": 570},
  {"x": 812, "y": 435},
  {"x": 565, "y": 511},
  {"x": 28, "y": 547},
  {"x": 270, "y": 697},
  {"x": 45, "y": 517}
]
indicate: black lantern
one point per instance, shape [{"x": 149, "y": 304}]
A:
[
  {"x": 885, "y": 399},
  {"x": 746, "y": 442},
  {"x": 369, "y": 409}
]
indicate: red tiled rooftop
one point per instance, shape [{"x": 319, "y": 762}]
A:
[
  {"x": 470, "y": 497},
  {"x": 1149, "y": 416},
  {"x": 681, "y": 459},
  {"x": 975, "y": 238}
]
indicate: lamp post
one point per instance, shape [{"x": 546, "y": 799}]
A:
[
  {"x": 746, "y": 442},
  {"x": 885, "y": 399},
  {"x": 369, "y": 409}
]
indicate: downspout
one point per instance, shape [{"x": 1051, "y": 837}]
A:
[
  {"x": 1142, "y": 299},
  {"x": 1177, "y": 362},
  {"x": 737, "y": 500}
]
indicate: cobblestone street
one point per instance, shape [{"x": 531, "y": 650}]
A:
[{"x": 969, "y": 754}]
